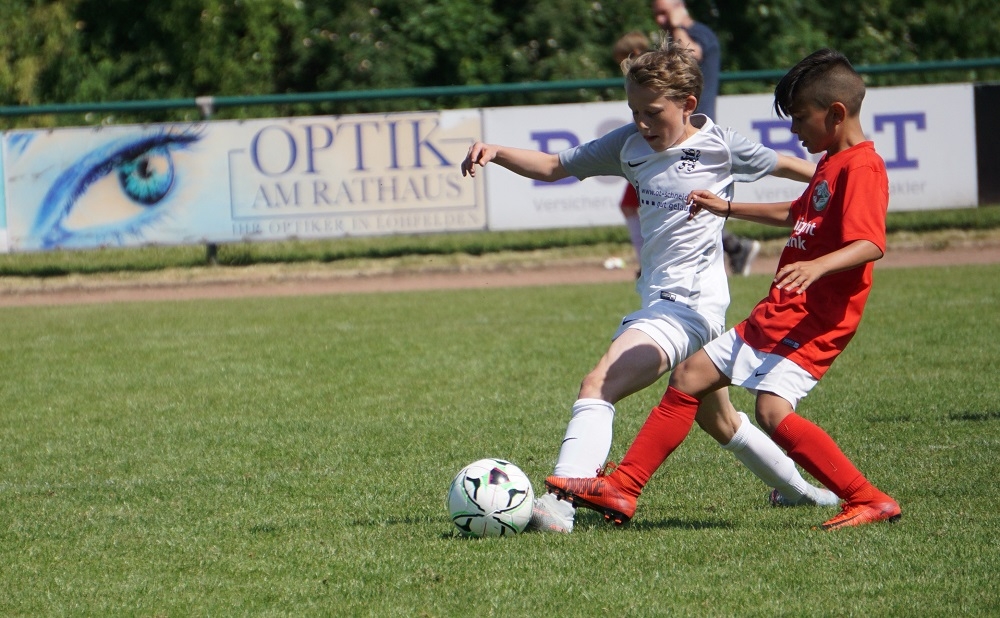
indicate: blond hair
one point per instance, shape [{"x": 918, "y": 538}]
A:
[
  {"x": 632, "y": 44},
  {"x": 671, "y": 71}
]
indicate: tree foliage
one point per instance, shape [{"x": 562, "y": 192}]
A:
[{"x": 83, "y": 51}]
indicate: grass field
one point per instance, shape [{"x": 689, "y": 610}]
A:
[{"x": 291, "y": 457}]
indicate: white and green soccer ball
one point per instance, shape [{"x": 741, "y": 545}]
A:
[{"x": 490, "y": 497}]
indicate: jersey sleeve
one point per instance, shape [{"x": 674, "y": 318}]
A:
[
  {"x": 866, "y": 201},
  {"x": 751, "y": 160},
  {"x": 599, "y": 157}
]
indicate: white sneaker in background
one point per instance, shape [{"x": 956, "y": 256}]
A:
[{"x": 741, "y": 260}]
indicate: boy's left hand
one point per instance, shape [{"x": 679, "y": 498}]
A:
[{"x": 797, "y": 277}]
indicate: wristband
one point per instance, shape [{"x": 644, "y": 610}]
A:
[{"x": 729, "y": 208}]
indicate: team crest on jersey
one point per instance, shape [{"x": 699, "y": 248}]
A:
[
  {"x": 821, "y": 196},
  {"x": 689, "y": 157}
]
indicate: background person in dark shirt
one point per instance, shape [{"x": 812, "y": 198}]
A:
[{"x": 673, "y": 18}]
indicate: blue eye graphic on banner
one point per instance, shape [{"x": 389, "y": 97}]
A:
[
  {"x": 113, "y": 193},
  {"x": 119, "y": 186},
  {"x": 271, "y": 179}
]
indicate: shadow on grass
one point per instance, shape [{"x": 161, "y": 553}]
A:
[
  {"x": 379, "y": 522},
  {"x": 646, "y": 523},
  {"x": 974, "y": 416},
  {"x": 967, "y": 415},
  {"x": 591, "y": 520}
]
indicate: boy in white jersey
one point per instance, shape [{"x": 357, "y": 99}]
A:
[{"x": 666, "y": 153}]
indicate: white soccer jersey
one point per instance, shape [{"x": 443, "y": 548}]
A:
[{"x": 682, "y": 260}]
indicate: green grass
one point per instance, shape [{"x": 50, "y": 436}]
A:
[
  {"x": 154, "y": 258},
  {"x": 291, "y": 457}
]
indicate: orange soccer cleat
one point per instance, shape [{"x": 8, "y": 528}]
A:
[
  {"x": 868, "y": 513},
  {"x": 600, "y": 494}
]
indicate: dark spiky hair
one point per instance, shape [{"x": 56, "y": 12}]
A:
[{"x": 822, "y": 78}]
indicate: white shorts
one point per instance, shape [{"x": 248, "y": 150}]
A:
[
  {"x": 678, "y": 330},
  {"x": 759, "y": 371}
]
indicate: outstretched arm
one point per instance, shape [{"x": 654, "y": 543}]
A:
[
  {"x": 528, "y": 163},
  {"x": 798, "y": 276},
  {"x": 794, "y": 168},
  {"x": 777, "y": 214}
]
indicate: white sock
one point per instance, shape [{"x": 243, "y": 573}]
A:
[
  {"x": 767, "y": 461},
  {"x": 587, "y": 443},
  {"x": 634, "y": 232}
]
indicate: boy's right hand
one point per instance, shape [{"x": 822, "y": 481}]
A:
[{"x": 479, "y": 154}]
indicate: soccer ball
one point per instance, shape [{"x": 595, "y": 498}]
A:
[{"x": 490, "y": 497}]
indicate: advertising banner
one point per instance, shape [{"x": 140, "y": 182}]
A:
[
  {"x": 520, "y": 203},
  {"x": 379, "y": 174},
  {"x": 314, "y": 177},
  {"x": 925, "y": 134}
]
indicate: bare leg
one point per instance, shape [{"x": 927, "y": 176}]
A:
[
  {"x": 717, "y": 416},
  {"x": 632, "y": 362}
]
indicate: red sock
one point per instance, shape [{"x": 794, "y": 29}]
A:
[
  {"x": 814, "y": 450},
  {"x": 665, "y": 428}
]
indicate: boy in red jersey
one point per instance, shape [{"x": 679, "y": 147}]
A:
[{"x": 811, "y": 312}]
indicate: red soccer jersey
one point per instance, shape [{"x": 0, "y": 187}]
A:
[
  {"x": 846, "y": 201},
  {"x": 630, "y": 199}
]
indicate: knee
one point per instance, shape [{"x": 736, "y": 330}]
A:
[
  {"x": 718, "y": 424},
  {"x": 771, "y": 410},
  {"x": 592, "y": 386},
  {"x": 686, "y": 380},
  {"x": 768, "y": 420}
]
